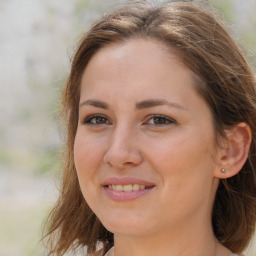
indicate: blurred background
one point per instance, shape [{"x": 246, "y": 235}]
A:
[{"x": 37, "y": 41}]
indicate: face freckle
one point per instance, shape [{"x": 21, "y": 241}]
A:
[{"x": 141, "y": 121}]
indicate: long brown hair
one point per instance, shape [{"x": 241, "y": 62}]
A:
[{"x": 223, "y": 78}]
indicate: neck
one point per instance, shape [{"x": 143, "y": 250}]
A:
[{"x": 180, "y": 242}]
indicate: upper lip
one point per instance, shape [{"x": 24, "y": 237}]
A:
[{"x": 125, "y": 181}]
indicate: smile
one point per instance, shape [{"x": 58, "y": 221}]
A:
[
  {"x": 128, "y": 188},
  {"x": 129, "y": 192}
]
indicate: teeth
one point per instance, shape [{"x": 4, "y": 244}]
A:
[
  {"x": 119, "y": 188},
  {"x": 126, "y": 188},
  {"x": 135, "y": 187},
  {"x": 142, "y": 186}
]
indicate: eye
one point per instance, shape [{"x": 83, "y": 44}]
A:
[
  {"x": 160, "y": 120},
  {"x": 96, "y": 120}
]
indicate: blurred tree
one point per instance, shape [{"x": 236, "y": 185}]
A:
[{"x": 241, "y": 20}]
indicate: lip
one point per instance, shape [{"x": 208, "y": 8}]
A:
[
  {"x": 126, "y": 195},
  {"x": 125, "y": 181}
]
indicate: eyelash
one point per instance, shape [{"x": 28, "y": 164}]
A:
[
  {"x": 167, "y": 120},
  {"x": 89, "y": 119},
  {"x": 104, "y": 120}
]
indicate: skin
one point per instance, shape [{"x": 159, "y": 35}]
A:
[{"x": 176, "y": 151}]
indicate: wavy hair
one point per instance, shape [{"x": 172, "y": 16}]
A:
[{"x": 223, "y": 79}]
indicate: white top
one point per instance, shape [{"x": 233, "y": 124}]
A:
[{"x": 111, "y": 253}]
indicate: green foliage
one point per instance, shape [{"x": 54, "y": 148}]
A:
[
  {"x": 24, "y": 113},
  {"x": 246, "y": 34},
  {"x": 47, "y": 161},
  {"x": 226, "y": 7},
  {"x": 80, "y": 6},
  {"x": 21, "y": 229},
  {"x": 5, "y": 157}
]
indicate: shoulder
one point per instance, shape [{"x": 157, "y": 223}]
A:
[
  {"x": 101, "y": 252},
  {"x": 110, "y": 252}
]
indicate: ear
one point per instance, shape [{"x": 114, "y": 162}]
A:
[{"x": 234, "y": 152}]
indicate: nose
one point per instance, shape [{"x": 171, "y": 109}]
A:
[{"x": 123, "y": 150}]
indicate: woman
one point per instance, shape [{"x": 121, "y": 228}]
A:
[{"x": 160, "y": 157}]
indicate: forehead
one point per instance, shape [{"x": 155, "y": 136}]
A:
[
  {"x": 134, "y": 62},
  {"x": 136, "y": 48}
]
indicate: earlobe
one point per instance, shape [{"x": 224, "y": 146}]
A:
[{"x": 235, "y": 152}]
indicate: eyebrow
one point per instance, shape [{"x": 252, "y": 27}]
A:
[
  {"x": 157, "y": 102},
  {"x": 139, "y": 105},
  {"x": 95, "y": 103}
]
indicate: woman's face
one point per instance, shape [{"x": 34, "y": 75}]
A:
[{"x": 144, "y": 129}]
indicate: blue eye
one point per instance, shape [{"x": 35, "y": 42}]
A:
[
  {"x": 160, "y": 120},
  {"x": 96, "y": 120}
]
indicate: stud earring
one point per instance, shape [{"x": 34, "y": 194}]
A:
[{"x": 222, "y": 170}]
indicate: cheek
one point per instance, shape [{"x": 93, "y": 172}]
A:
[
  {"x": 88, "y": 155},
  {"x": 185, "y": 166},
  {"x": 87, "y": 150},
  {"x": 87, "y": 158},
  {"x": 184, "y": 158}
]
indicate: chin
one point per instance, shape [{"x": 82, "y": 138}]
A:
[
  {"x": 126, "y": 230},
  {"x": 126, "y": 225}
]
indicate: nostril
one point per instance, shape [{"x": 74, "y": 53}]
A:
[{"x": 128, "y": 163}]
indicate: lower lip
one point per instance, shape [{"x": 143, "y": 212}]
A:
[{"x": 126, "y": 195}]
